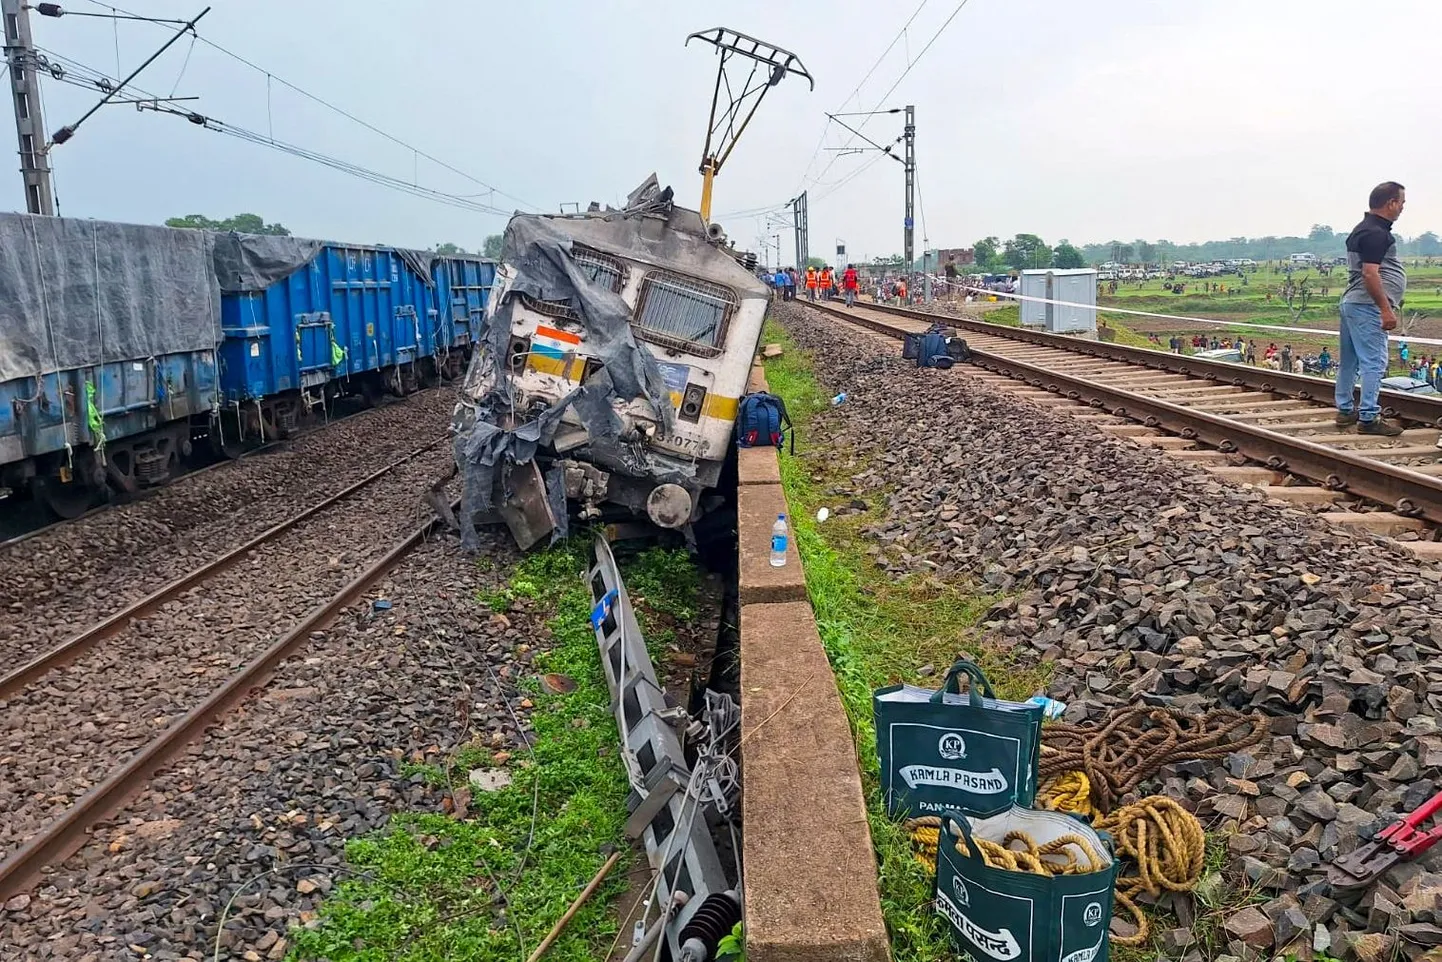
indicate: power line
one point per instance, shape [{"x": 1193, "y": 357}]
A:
[
  {"x": 87, "y": 76},
  {"x": 335, "y": 163},
  {"x": 857, "y": 90},
  {"x": 270, "y": 75},
  {"x": 882, "y": 99}
]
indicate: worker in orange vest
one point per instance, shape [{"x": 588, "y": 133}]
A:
[
  {"x": 811, "y": 283},
  {"x": 901, "y": 291},
  {"x": 827, "y": 281}
]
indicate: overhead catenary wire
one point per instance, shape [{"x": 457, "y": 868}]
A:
[
  {"x": 87, "y": 76},
  {"x": 856, "y": 90},
  {"x": 822, "y": 139},
  {"x": 856, "y": 132},
  {"x": 271, "y": 75}
]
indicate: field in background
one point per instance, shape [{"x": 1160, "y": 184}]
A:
[{"x": 1248, "y": 304}]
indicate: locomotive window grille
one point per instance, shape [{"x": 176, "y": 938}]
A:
[
  {"x": 602, "y": 269},
  {"x": 684, "y": 313}
]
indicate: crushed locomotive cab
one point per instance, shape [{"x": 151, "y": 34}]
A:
[{"x": 616, "y": 347}]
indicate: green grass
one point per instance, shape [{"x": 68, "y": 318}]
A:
[
  {"x": 877, "y": 632},
  {"x": 432, "y": 893}
]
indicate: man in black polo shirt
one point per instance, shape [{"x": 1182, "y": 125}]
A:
[{"x": 1376, "y": 284}]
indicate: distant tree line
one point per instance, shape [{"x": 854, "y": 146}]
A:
[
  {"x": 242, "y": 223},
  {"x": 1321, "y": 240},
  {"x": 255, "y": 224},
  {"x": 1029, "y": 251}
]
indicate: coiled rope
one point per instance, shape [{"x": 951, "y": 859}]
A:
[
  {"x": 1160, "y": 847},
  {"x": 1127, "y": 747},
  {"x": 1066, "y": 855}
]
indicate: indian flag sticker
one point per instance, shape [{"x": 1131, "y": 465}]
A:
[{"x": 549, "y": 342}]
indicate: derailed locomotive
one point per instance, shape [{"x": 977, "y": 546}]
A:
[{"x": 616, "y": 346}]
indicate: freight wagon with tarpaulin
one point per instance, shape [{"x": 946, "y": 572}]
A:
[
  {"x": 616, "y": 347},
  {"x": 108, "y": 336},
  {"x": 306, "y": 322}
]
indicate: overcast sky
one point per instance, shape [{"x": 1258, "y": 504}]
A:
[{"x": 1089, "y": 121}]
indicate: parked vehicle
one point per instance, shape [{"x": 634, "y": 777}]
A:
[
  {"x": 1229, "y": 354},
  {"x": 1408, "y": 384}
]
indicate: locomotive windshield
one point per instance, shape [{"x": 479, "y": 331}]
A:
[{"x": 684, "y": 312}]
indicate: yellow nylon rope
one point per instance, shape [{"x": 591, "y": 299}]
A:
[{"x": 1159, "y": 844}]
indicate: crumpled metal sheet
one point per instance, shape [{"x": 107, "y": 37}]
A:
[{"x": 539, "y": 254}]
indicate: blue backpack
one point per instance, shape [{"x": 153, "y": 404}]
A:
[
  {"x": 932, "y": 351},
  {"x": 761, "y": 419}
]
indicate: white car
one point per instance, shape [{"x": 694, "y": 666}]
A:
[
  {"x": 1229, "y": 354},
  {"x": 1408, "y": 385}
]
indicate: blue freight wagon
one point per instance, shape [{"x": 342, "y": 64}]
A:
[
  {"x": 306, "y": 322},
  {"x": 108, "y": 337},
  {"x": 123, "y": 347}
]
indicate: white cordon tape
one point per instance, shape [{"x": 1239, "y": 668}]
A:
[{"x": 1198, "y": 320}]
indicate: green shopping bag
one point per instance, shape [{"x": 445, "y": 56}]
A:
[
  {"x": 942, "y": 751},
  {"x": 1002, "y": 915}
]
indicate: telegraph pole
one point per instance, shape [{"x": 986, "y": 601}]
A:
[
  {"x": 910, "y": 222},
  {"x": 803, "y": 241},
  {"x": 25, "y": 93}
]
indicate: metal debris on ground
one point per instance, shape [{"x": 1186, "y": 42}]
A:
[{"x": 671, "y": 804}]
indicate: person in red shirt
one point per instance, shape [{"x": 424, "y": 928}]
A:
[{"x": 849, "y": 283}]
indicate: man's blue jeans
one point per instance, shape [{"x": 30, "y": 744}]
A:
[{"x": 1364, "y": 351}]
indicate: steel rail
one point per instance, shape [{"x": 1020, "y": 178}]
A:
[
  {"x": 1424, "y": 409},
  {"x": 1407, "y": 492},
  {"x": 76, "y": 646},
  {"x": 144, "y": 493},
  {"x": 69, "y": 832}
]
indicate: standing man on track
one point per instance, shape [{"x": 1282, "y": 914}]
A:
[
  {"x": 850, "y": 281},
  {"x": 1376, "y": 284},
  {"x": 810, "y": 283}
]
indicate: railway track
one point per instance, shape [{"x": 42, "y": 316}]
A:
[
  {"x": 88, "y": 721},
  {"x": 1282, "y": 422},
  {"x": 12, "y": 511}
]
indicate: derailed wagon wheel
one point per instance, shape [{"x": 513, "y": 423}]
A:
[{"x": 67, "y": 500}]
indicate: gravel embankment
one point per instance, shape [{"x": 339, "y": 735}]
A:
[
  {"x": 71, "y": 576},
  {"x": 1139, "y": 575},
  {"x": 313, "y": 761},
  {"x": 64, "y": 733}
]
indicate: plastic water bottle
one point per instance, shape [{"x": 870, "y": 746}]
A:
[
  {"x": 1050, "y": 707},
  {"x": 779, "y": 537},
  {"x": 839, "y": 400}
]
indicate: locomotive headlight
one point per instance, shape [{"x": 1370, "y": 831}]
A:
[
  {"x": 693, "y": 402},
  {"x": 517, "y": 352}
]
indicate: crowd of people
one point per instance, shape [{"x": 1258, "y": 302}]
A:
[
  {"x": 1424, "y": 368},
  {"x": 821, "y": 283},
  {"x": 1278, "y": 359}
]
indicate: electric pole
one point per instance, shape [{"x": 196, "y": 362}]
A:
[
  {"x": 803, "y": 241},
  {"x": 910, "y": 222},
  {"x": 25, "y": 92}
]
